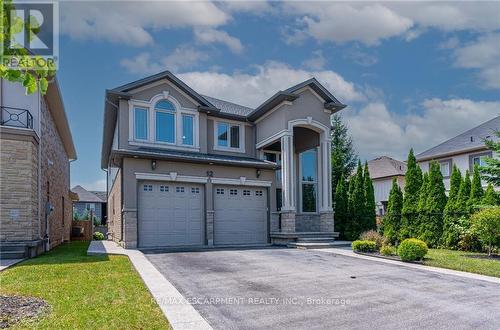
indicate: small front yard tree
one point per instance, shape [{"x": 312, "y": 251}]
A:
[
  {"x": 490, "y": 197},
  {"x": 370, "y": 222},
  {"x": 341, "y": 214},
  {"x": 486, "y": 223},
  {"x": 413, "y": 183},
  {"x": 344, "y": 157},
  {"x": 491, "y": 171},
  {"x": 392, "y": 220},
  {"x": 432, "y": 227}
]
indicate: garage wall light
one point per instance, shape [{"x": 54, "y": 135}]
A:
[
  {"x": 258, "y": 173},
  {"x": 153, "y": 165}
]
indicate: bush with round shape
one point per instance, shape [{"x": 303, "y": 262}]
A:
[
  {"x": 374, "y": 236},
  {"x": 98, "y": 236},
  {"x": 486, "y": 224},
  {"x": 412, "y": 249},
  {"x": 388, "y": 250},
  {"x": 364, "y": 246}
]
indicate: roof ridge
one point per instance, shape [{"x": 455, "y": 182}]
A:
[{"x": 219, "y": 99}]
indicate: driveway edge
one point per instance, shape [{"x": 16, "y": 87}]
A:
[
  {"x": 179, "y": 313},
  {"x": 444, "y": 271}
]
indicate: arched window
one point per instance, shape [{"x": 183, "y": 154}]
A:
[{"x": 165, "y": 121}]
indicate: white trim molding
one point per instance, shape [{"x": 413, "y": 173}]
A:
[
  {"x": 242, "y": 181},
  {"x": 229, "y": 123},
  {"x": 272, "y": 138},
  {"x": 172, "y": 176}
]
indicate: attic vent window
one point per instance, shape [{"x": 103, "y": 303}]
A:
[{"x": 471, "y": 139}]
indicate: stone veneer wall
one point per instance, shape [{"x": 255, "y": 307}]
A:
[
  {"x": 54, "y": 181},
  {"x": 115, "y": 209},
  {"x": 18, "y": 185},
  {"x": 307, "y": 222}
]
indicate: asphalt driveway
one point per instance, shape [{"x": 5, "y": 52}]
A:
[{"x": 305, "y": 289}]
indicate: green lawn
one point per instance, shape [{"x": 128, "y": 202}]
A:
[
  {"x": 85, "y": 292},
  {"x": 460, "y": 260}
]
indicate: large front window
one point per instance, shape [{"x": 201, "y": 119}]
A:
[
  {"x": 308, "y": 180},
  {"x": 141, "y": 123},
  {"x": 165, "y": 121}
]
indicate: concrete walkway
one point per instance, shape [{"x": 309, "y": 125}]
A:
[
  {"x": 350, "y": 253},
  {"x": 180, "y": 314},
  {"x": 6, "y": 263}
]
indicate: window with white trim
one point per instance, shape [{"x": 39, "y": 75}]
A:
[
  {"x": 195, "y": 190},
  {"x": 445, "y": 168},
  {"x": 219, "y": 191},
  {"x": 163, "y": 188},
  {"x": 308, "y": 180},
  {"x": 141, "y": 123},
  {"x": 233, "y": 192},
  {"x": 187, "y": 130},
  {"x": 258, "y": 193},
  {"x": 229, "y": 136},
  {"x": 148, "y": 187},
  {"x": 179, "y": 189},
  {"x": 246, "y": 192},
  {"x": 165, "y": 121}
]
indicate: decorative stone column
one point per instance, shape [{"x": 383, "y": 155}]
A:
[
  {"x": 326, "y": 210},
  {"x": 210, "y": 227},
  {"x": 326, "y": 222},
  {"x": 129, "y": 228},
  {"x": 287, "y": 184},
  {"x": 210, "y": 213}
]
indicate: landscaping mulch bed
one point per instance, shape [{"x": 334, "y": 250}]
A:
[
  {"x": 378, "y": 255},
  {"x": 14, "y": 309}
]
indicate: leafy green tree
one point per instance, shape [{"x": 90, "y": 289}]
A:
[
  {"x": 392, "y": 219},
  {"x": 490, "y": 197},
  {"x": 486, "y": 223},
  {"x": 491, "y": 171},
  {"x": 370, "y": 215},
  {"x": 341, "y": 201},
  {"x": 344, "y": 157},
  {"x": 35, "y": 77},
  {"x": 432, "y": 227},
  {"x": 476, "y": 190},
  {"x": 422, "y": 204},
  {"x": 413, "y": 183},
  {"x": 451, "y": 235}
]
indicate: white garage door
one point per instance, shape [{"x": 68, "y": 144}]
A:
[
  {"x": 240, "y": 215},
  {"x": 170, "y": 214}
]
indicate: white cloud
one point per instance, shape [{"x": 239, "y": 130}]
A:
[
  {"x": 98, "y": 185},
  {"x": 129, "y": 22},
  {"x": 181, "y": 58},
  {"x": 376, "y": 131},
  {"x": 316, "y": 62},
  {"x": 371, "y": 23},
  {"x": 482, "y": 54},
  {"x": 360, "y": 57},
  {"x": 253, "y": 89},
  {"x": 253, "y": 6},
  {"x": 211, "y": 36}
]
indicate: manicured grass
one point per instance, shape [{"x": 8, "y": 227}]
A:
[
  {"x": 85, "y": 292},
  {"x": 460, "y": 260}
]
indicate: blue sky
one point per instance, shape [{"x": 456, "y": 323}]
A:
[{"x": 412, "y": 74}]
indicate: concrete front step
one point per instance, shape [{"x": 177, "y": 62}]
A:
[
  {"x": 14, "y": 254},
  {"x": 319, "y": 245},
  {"x": 315, "y": 240}
]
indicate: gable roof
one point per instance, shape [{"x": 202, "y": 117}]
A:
[
  {"x": 88, "y": 196},
  {"x": 383, "y": 167},
  {"x": 229, "y": 107},
  {"x": 467, "y": 141}
]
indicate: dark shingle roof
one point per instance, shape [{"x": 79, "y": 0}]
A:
[
  {"x": 101, "y": 194},
  {"x": 87, "y": 196},
  {"x": 471, "y": 139},
  {"x": 384, "y": 166},
  {"x": 229, "y": 107}
]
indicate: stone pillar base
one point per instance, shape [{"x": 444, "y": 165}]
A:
[
  {"x": 288, "y": 222},
  {"x": 129, "y": 229},
  {"x": 326, "y": 222},
  {"x": 210, "y": 228}
]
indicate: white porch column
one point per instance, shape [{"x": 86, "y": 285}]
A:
[
  {"x": 287, "y": 173},
  {"x": 326, "y": 174}
]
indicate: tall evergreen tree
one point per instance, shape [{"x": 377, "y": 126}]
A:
[
  {"x": 476, "y": 190},
  {"x": 450, "y": 236},
  {"x": 370, "y": 213},
  {"x": 341, "y": 215},
  {"x": 463, "y": 196},
  {"x": 392, "y": 219},
  {"x": 490, "y": 197},
  {"x": 432, "y": 228},
  {"x": 491, "y": 171},
  {"x": 356, "y": 204},
  {"x": 467, "y": 187},
  {"x": 422, "y": 205},
  {"x": 351, "y": 225},
  {"x": 344, "y": 157},
  {"x": 413, "y": 183}
]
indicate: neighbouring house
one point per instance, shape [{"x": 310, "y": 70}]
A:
[
  {"x": 36, "y": 147},
  {"x": 186, "y": 169},
  {"x": 382, "y": 171},
  {"x": 90, "y": 201},
  {"x": 464, "y": 150}
]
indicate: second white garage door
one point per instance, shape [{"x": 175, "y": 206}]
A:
[
  {"x": 170, "y": 214},
  {"x": 240, "y": 215}
]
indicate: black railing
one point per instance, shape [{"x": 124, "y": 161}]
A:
[{"x": 16, "y": 117}]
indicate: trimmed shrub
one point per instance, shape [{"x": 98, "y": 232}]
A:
[
  {"x": 98, "y": 236},
  {"x": 374, "y": 236},
  {"x": 364, "y": 246},
  {"x": 412, "y": 249},
  {"x": 388, "y": 250}
]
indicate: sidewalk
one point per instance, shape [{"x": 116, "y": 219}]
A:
[{"x": 179, "y": 315}]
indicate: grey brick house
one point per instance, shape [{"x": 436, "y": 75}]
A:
[
  {"x": 186, "y": 169},
  {"x": 36, "y": 147},
  {"x": 95, "y": 201}
]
